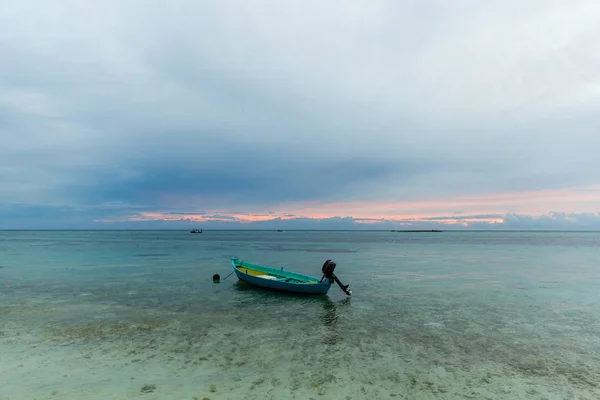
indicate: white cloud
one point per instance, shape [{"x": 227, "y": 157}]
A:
[{"x": 432, "y": 98}]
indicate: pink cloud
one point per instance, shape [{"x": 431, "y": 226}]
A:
[
  {"x": 214, "y": 217},
  {"x": 576, "y": 199}
]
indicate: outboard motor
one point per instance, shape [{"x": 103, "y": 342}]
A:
[{"x": 328, "y": 269}]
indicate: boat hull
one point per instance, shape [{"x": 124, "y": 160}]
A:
[{"x": 279, "y": 280}]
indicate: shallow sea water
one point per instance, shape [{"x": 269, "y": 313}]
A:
[{"x": 451, "y": 315}]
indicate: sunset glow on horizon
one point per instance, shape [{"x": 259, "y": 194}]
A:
[{"x": 482, "y": 208}]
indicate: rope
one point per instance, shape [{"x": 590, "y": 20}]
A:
[{"x": 229, "y": 275}]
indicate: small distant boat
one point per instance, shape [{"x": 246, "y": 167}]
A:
[
  {"x": 279, "y": 230},
  {"x": 287, "y": 281},
  {"x": 196, "y": 231}
]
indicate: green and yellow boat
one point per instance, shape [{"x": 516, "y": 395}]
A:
[{"x": 287, "y": 281}]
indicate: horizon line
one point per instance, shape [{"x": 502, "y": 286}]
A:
[{"x": 296, "y": 230}]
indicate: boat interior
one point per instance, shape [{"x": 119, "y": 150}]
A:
[{"x": 271, "y": 276}]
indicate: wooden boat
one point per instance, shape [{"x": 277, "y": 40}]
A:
[{"x": 286, "y": 281}]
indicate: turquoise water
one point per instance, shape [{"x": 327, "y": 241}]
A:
[{"x": 90, "y": 314}]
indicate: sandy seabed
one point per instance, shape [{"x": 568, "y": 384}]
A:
[{"x": 81, "y": 350}]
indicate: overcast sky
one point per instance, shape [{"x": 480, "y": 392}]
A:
[{"x": 462, "y": 114}]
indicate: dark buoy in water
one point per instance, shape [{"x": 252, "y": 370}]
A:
[{"x": 216, "y": 278}]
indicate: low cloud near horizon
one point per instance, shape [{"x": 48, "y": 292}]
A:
[{"x": 303, "y": 115}]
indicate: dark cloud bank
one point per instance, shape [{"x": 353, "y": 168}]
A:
[{"x": 118, "y": 107}]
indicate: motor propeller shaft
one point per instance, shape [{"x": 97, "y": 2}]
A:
[{"x": 328, "y": 269}]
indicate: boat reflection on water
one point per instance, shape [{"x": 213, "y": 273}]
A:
[
  {"x": 330, "y": 317},
  {"x": 307, "y": 309}
]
